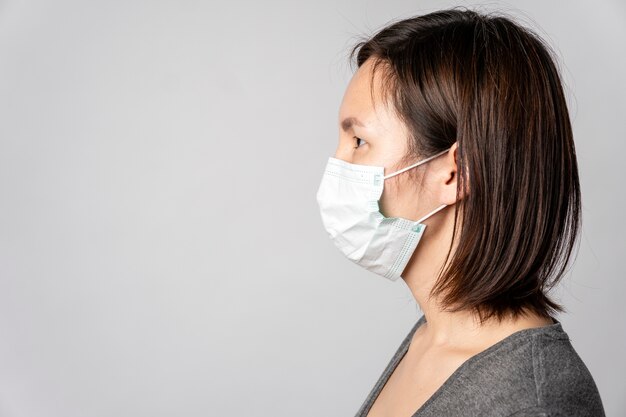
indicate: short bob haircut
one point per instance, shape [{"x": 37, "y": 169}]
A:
[{"x": 483, "y": 81}]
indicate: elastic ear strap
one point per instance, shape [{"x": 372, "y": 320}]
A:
[
  {"x": 416, "y": 164},
  {"x": 431, "y": 213}
]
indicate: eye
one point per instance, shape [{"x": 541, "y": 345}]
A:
[{"x": 359, "y": 142}]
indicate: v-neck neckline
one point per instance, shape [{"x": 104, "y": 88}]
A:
[{"x": 550, "y": 328}]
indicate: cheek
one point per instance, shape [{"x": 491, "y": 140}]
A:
[
  {"x": 400, "y": 199},
  {"x": 391, "y": 200}
]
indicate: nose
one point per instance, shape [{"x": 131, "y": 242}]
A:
[{"x": 343, "y": 152}]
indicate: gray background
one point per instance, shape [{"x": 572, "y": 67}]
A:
[{"x": 161, "y": 251}]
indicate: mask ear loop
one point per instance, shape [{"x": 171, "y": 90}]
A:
[
  {"x": 431, "y": 213},
  {"x": 416, "y": 164},
  {"x": 413, "y": 166}
]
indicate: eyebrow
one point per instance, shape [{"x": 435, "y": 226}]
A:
[{"x": 348, "y": 122}]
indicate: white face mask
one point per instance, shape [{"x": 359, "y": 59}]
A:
[{"x": 348, "y": 199}]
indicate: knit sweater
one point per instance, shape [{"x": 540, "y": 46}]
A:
[{"x": 532, "y": 372}]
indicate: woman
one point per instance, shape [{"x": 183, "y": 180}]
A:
[{"x": 458, "y": 120}]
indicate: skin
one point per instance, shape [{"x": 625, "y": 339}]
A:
[{"x": 448, "y": 339}]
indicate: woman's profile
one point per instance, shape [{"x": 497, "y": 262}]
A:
[{"x": 456, "y": 171}]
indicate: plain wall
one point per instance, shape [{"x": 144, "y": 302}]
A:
[{"x": 161, "y": 250}]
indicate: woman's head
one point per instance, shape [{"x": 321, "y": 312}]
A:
[{"x": 489, "y": 90}]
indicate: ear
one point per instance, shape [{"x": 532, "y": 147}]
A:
[{"x": 450, "y": 168}]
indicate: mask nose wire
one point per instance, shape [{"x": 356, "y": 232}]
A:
[{"x": 415, "y": 164}]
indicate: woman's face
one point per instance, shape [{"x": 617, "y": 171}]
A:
[{"x": 374, "y": 135}]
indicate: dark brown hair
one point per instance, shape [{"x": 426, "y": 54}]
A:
[{"x": 491, "y": 85}]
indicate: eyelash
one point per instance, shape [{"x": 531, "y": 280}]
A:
[{"x": 357, "y": 142}]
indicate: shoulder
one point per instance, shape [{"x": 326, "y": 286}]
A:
[
  {"x": 542, "y": 364},
  {"x": 564, "y": 383}
]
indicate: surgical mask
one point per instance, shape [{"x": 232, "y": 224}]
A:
[{"x": 348, "y": 200}]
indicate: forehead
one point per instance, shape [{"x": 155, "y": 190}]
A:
[{"x": 363, "y": 98}]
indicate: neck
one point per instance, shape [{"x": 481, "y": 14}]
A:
[{"x": 444, "y": 328}]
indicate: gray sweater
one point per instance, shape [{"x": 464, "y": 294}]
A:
[{"x": 532, "y": 372}]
